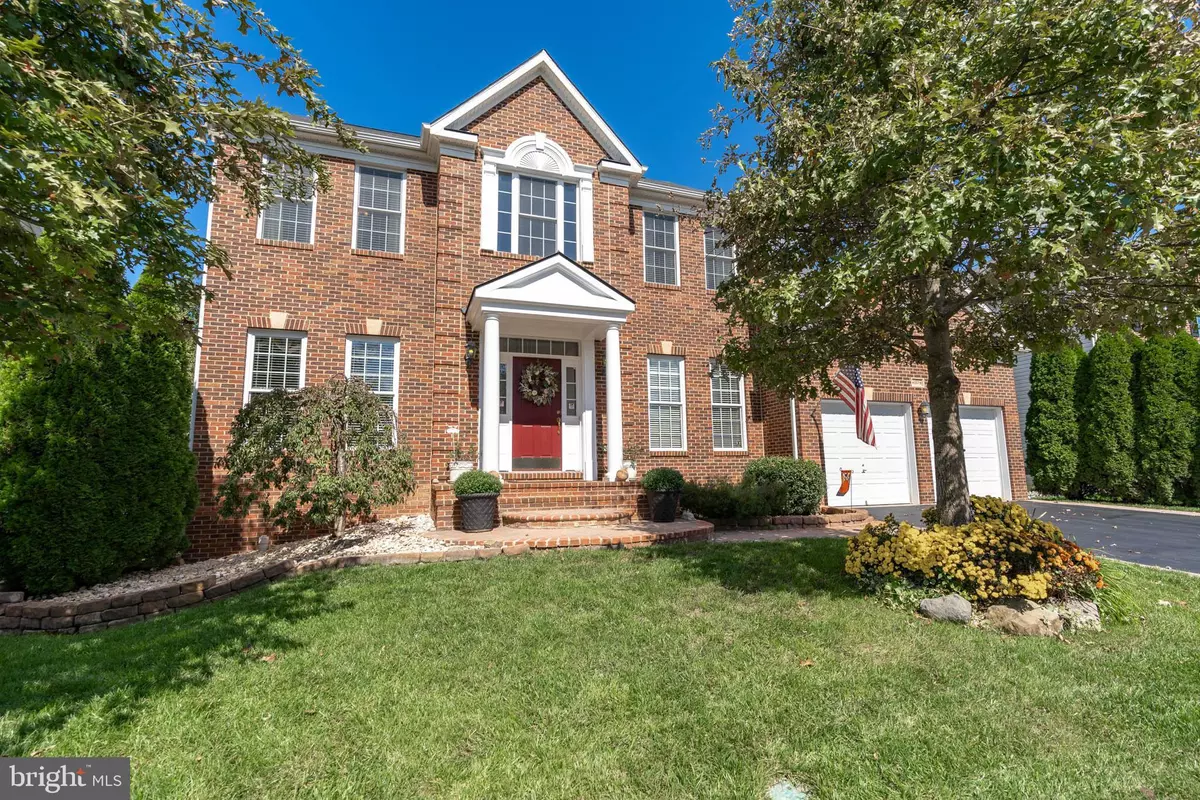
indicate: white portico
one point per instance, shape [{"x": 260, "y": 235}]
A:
[{"x": 549, "y": 312}]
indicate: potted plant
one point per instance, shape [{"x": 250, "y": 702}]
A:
[
  {"x": 462, "y": 457},
  {"x": 663, "y": 486},
  {"x": 477, "y": 492},
  {"x": 632, "y": 454}
]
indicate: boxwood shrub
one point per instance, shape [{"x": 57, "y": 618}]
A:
[
  {"x": 803, "y": 483},
  {"x": 662, "y": 479},
  {"x": 722, "y": 500},
  {"x": 477, "y": 482}
]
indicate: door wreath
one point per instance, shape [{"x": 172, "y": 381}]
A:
[{"x": 539, "y": 383}]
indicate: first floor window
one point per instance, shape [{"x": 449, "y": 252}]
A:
[
  {"x": 373, "y": 361},
  {"x": 728, "y": 408},
  {"x": 658, "y": 235},
  {"x": 276, "y": 361},
  {"x": 665, "y": 382},
  {"x": 718, "y": 258},
  {"x": 379, "y": 223}
]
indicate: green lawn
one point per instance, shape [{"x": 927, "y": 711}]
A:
[{"x": 685, "y": 671}]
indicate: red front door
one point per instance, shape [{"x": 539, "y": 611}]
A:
[{"x": 537, "y": 430}]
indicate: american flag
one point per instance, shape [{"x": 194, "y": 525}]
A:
[{"x": 850, "y": 388}]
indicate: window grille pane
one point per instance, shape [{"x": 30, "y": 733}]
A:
[
  {"x": 728, "y": 415},
  {"x": 288, "y": 221},
  {"x": 504, "y": 220},
  {"x": 375, "y": 363},
  {"x": 275, "y": 363},
  {"x": 570, "y": 210},
  {"x": 718, "y": 259},
  {"x": 573, "y": 348},
  {"x": 503, "y": 389},
  {"x": 379, "y": 230},
  {"x": 380, "y": 190},
  {"x": 659, "y": 240},
  {"x": 537, "y": 233}
]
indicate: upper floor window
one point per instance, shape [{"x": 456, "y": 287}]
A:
[
  {"x": 544, "y": 215},
  {"x": 289, "y": 220},
  {"x": 379, "y": 211},
  {"x": 661, "y": 255},
  {"x": 718, "y": 258},
  {"x": 274, "y": 360},
  {"x": 728, "y": 408}
]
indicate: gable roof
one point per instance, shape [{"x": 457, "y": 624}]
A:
[{"x": 540, "y": 66}]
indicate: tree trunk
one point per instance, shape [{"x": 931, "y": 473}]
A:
[{"x": 950, "y": 465}]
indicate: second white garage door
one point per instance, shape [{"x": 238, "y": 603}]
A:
[
  {"x": 984, "y": 450},
  {"x": 882, "y": 475}
]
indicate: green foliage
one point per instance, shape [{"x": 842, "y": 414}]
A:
[
  {"x": 721, "y": 500},
  {"x": 1163, "y": 421},
  {"x": 117, "y": 118},
  {"x": 662, "y": 479},
  {"x": 1107, "y": 466},
  {"x": 96, "y": 478},
  {"x": 1051, "y": 428},
  {"x": 944, "y": 183},
  {"x": 1114, "y": 597},
  {"x": 315, "y": 456},
  {"x": 1187, "y": 376},
  {"x": 477, "y": 482},
  {"x": 803, "y": 482}
]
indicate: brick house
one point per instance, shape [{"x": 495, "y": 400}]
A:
[{"x": 518, "y": 229}]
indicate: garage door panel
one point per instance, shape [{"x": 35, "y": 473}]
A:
[
  {"x": 981, "y": 448},
  {"x": 882, "y": 475}
]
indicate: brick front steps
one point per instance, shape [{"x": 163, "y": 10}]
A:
[
  {"x": 546, "y": 494},
  {"x": 565, "y": 517},
  {"x": 638, "y": 534}
]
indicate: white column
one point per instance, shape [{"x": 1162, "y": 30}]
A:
[
  {"x": 612, "y": 375},
  {"x": 489, "y": 431},
  {"x": 587, "y": 419}
]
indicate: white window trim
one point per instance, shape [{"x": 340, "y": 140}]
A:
[
  {"x": 742, "y": 400},
  {"x": 678, "y": 271},
  {"x": 683, "y": 438},
  {"x": 350, "y": 340},
  {"x": 732, "y": 259},
  {"x": 535, "y": 156},
  {"x": 403, "y": 212},
  {"x": 253, "y": 334},
  {"x": 312, "y": 228}
]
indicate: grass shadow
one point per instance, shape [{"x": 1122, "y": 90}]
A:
[
  {"x": 46, "y": 680},
  {"x": 800, "y": 566}
]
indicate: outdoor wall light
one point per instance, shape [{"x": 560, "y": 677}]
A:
[
  {"x": 472, "y": 352},
  {"x": 923, "y": 411}
]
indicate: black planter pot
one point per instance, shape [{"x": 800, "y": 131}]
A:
[
  {"x": 663, "y": 505},
  {"x": 478, "y": 511}
]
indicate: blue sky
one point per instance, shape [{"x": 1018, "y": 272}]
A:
[{"x": 643, "y": 65}]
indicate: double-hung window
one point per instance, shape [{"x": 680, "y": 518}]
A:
[
  {"x": 661, "y": 254},
  {"x": 379, "y": 211},
  {"x": 274, "y": 360},
  {"x": 285, "y": 219},
  {"x": 718, "y": 258},
  {"x": 665, "y": 381},
  {"x": 536, "y": 216},
  {"x": 373, "y": 361},
  {"x": 728, "y": 408}
]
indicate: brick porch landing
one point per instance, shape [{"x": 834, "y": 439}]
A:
[{"x": 637, "y": 534}]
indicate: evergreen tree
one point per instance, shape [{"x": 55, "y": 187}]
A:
[
  {"x": 1052, "y": 429},
  {"x": 1187, "y": 376},
  {"x": 1163, "y": 433},
  {"x": 1106, "y": 419}
]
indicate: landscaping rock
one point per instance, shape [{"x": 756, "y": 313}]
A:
[
  {"x": 951, "y": 608},
  {"x": 1080, "y": 615},
  {"x": 1037, "y": 622},
  {"x": 11, "y": 597}
]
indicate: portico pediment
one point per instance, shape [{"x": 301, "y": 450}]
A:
[{"x": 554, "y": 287}]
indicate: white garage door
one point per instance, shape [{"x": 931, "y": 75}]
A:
[
  {"x": 985, "y": 451},
  {"x": 983, "y": 446},
  {"x": 882, "y": 475}
]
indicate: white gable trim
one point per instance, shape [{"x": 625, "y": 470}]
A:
[
  {"x": 450, "y": 124},
  {"x": 553, "y": 287}
]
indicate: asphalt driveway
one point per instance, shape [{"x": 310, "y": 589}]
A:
[{"x": 1157, "y": 538}]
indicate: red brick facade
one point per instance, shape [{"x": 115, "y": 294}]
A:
[{"x": 330, "y": 290}]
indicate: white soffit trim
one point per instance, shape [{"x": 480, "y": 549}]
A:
[
  {"x": 554, "y": 286},
  {"x": 543, "y": 66}
]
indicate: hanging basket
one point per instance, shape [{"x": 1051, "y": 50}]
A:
[{"x": 539, "y": 383}]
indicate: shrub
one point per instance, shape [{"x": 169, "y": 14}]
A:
[
  {"x": 1163, "y": 425},
  {"x": 1187, "y": 376},
  {"x": 803, "y": 482},
  {"x": 662, "y": 479},
  {"x": 1107, "y": 466},
  {"x": 1052, "y": 428},
  {"x": 721, "y": 500},
  {"x": 96, "y": 478},
  {"x": 1002, "y": 553},
  {"x": 316, "y": 456},
  {"x": 477, "y": 482}
]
